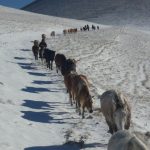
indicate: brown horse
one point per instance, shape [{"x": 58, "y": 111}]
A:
[
  {"x": 68, "y": 80},
  {"x": 81, "y": 94}
]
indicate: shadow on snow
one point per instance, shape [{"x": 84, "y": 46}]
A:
[
  {"x": 55, "y": 147},
  {"x": 44, "y": 117},
  {"x": 25, "y": 50},
  {"x": 35, "y": 90},
  {"x": 36, "y": 104},
  {"x": 45, "y": 82},
  {"x": 44, "y": 105},
  {"x": 75, "y": 146},
  {"x": 20, "y": 58},
  {"x": 38, "y": 74},
  {"x": 39, "y": 90},
  {"x": 27, "y": 66}
]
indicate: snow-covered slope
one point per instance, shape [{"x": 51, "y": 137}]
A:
[
  {"x": 34, "y": 109},
  {"x": 108, "y": 12},
  {"x": 26, "y": 20}
]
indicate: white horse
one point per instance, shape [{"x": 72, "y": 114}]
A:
[
  {"x": 116, "y": 109},
  {"x": 123, "y": 140}
]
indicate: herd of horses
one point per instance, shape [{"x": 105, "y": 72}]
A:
[
  {"x": 114, "y": 104},
  {"x": 75, "y": 30}
]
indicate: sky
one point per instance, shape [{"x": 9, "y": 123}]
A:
[{"x": 15, "y": 3}]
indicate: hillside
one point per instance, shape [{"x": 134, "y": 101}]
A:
[
  {"x": 35, "y": 112},
  {"x": 107, "y": 12}
]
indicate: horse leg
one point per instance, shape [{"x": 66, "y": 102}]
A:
[
  {"x": 76, "y": 102},
  {"x": 57, "y": 69},
  {"x": 73, "y": 96},
  {"x": 83, "y": 112},
  {"x": 36, "y": 57},
  {"x": 49, "y": 62},
  {"x": 51, "y": 65},
  {"x": 110, "y": 126},
  {"x": 70, "y": 97},
  {"x": 79, "y": 106},
  {"x": 42, "y": 60}
]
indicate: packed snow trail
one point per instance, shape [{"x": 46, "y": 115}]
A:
[
  {"x": 35, "y": 110},
  {"x": 36, "y": 113}
]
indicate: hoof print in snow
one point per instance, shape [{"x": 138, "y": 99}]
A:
[{"x": 68, "y": 135}]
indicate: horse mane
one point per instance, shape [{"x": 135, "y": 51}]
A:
[{"x": 121, "y": 100}]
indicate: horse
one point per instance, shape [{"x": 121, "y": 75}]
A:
[
  {"x": 59, "y": 61},
  {"x": 53, "y": 33},
  {"x": 124, "y": 140},
  {"x": 93, "y": 27},
  {"x": 64, "y": 32},
  {"x": 49, "y": 56},
  {"x": 116, "y": 110},
  {"x": 35, "y": 49},
  {"x": 68, "y": 66},
  {"x": 42, "y": 46},
  {"x": 82, "y": 94}
]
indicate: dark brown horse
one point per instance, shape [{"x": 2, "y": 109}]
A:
[
  {"x": 42, "y": 46},
  {"x": 35, "y": 49},
  {"x": 59, "y": 61}
]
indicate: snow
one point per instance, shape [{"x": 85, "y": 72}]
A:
[{"x": 35, "y": 112}]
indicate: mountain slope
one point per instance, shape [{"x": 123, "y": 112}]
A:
[{"x": 134, "y": 12}]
